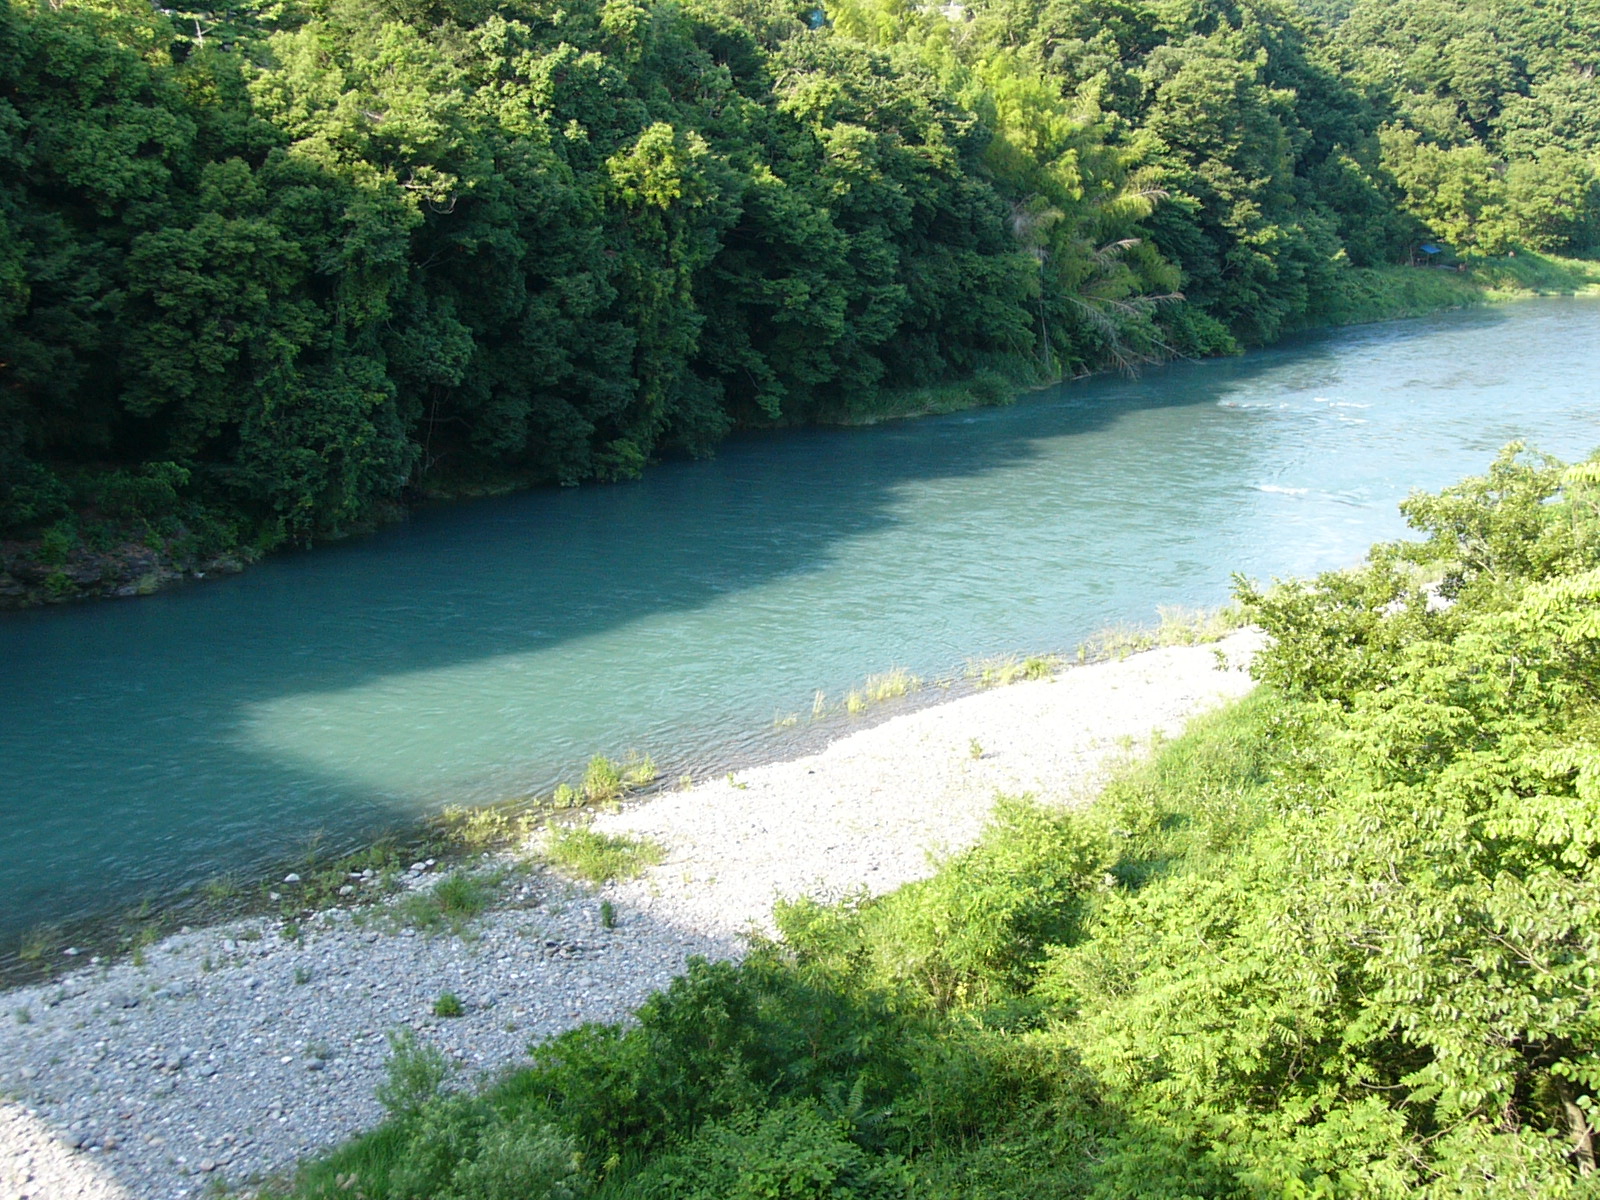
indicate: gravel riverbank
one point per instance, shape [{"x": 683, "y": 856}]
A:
[{"x": 228, "y": 1053}]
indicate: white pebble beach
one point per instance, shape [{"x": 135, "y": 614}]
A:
[{"x": 229, "y": 1053}]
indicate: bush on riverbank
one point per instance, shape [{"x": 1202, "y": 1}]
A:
[{"x": 1341, "y": 939}]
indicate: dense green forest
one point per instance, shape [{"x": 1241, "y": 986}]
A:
[
  {"x": 268, "y": 271},
  {"x": 1340, "y": 940}
]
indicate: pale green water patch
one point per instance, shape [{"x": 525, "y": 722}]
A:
[{"x": 491, "y": 647}]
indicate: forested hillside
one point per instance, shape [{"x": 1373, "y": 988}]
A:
[{"x": 266, "y": 272}]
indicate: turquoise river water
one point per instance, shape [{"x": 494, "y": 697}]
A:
[{"x": 487, "y": 649}]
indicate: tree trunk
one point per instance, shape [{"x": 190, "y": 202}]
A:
[{"x": 1578, "y": 1125}]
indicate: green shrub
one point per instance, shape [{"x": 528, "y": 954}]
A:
[
  {"x": 30, "y": 494},
  {"x": 58, "y": 542},
  {"x": 519, "y": 1160},
  {"x": 722, "y": 1039},
  {"x": 1397, "y": 945},
  {"x": 791, "y": 1152},
  {"x": 618, "y": 460},
  {"x": 601, "y": 857},
  {"x": 451, "y": 904},
  {"x": 991, "y": 388},
  {"x": 146, "y": 492},
  {"x": 975, "y": 930},
  {"x": 414, "y": 1074},
  {"x": 449, "y": 1005},
  {"x": 438, "y": 1146},
  {"x": 440, "y": 1137}
]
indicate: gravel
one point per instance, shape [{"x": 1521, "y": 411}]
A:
[{"x": 228, "y": 1053}]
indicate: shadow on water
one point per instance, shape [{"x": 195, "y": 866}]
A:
[{"x": 123, "y": 749}]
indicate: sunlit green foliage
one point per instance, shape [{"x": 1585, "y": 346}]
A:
[
  {"x": 361, "y": 249},
  {"x": 601, "y": 857},
  {"x": 1495, "y": 116},
  {"x": 1341, "y": 939},
  {"x": 264, "y": 272}
]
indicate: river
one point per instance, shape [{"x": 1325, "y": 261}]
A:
[{"x": 486, "y": 649}]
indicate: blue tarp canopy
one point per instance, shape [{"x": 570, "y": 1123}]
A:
[{"x": 1430, "y": 248}]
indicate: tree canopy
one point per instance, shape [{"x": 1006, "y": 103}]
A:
[{"x": 264, "y": 271}]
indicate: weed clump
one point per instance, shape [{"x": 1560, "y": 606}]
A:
[
  {"x": 1009, "y": 668},
  {"x": 480, "y": 829},
  {"x": 606, "y": 781},
  {"x": 221, "y": 888},
  {"x": 36, "y": 943},
  {"x": 414, "y": 1075},
  {"x": 452, "y": 903},
  {"x": 1177, "y": 627},
  {"x": 602, "y": 780},
  {"x": 599, "y": 858},
  {"x": 890, "y": 685}
]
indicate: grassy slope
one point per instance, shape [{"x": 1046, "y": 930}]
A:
[{"x": 1388, "y": 293}]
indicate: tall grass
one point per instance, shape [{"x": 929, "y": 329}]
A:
[
  {"x": 984, "y": 389},
  {"x": 1371, "y": 294},
  {"x": 890, "y": 685},
  {"x": 1528, "y": 274},
  {"x": 1001, "y": 670},
  {"x": 1177, "y": 627}
]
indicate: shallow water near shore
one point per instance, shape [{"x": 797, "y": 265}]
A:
[{"x": 486, "y": 649}]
